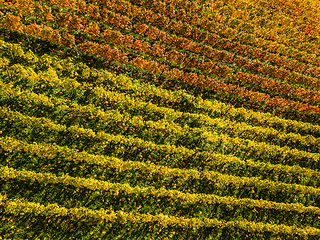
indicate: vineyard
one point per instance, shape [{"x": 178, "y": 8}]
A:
[{"x": 159, "y": 119}]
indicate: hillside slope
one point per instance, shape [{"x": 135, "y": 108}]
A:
[{"x": 159, "y": 119}]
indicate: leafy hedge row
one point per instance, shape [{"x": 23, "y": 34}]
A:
[
  {"x": 178, "y": 100},
  {"x": 54, "y": 221},
  {"x": 70, "y": 191},
  {"x": 19, "y": 126}
]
